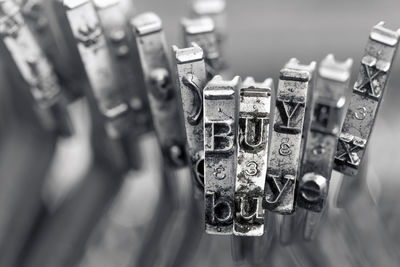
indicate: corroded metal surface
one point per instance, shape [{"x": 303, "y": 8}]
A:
[{"x": 254, "y": 117}]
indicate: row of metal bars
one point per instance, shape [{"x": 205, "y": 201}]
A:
[{"x": 95, "y": 223}]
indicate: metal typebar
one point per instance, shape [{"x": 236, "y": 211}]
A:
[
  {"x": 366, "y": 98},
  {"x": 287, "y": 136},
  {"x": 254, "y": 118},
  {"x": 220, "y": 147}
]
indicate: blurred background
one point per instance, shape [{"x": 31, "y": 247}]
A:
[{"x": 63, "y": 203}]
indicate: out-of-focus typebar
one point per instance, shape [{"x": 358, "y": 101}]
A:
[
  {"x": 163, "y": 97},
  {"x": 214, "y": 9},
  {"x": 254, "y": 118},
  {"x": 220, "y": 147},
  {"x": 35, "y": 69},
  {"x": 327, "y": 117},
  {"x": 287, "y": 136},
  {"x": 122, "y": 44},
  {"x": 98, "y": 64},
  {"x": 191, "y": 79},
  {"x": 202, "y": 32},
  {"x": 366, "y": 98}
]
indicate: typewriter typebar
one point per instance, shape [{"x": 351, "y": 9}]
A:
[
  {"x": 366, "y": 98},
  {"x": 254, "y": 115},
  {"x": 202, "y": 32},
  {"x": 191, "y": 79},
  {"x": 286, "y": 139},
  {"x": 99, "y": 66},
  {"x": 35, "y": 68},
  {"x": 122, "y": 45},
  {"x": 216, "y": 10},
  {"x": 220, "y": 148},
  {"x": 163, "y": 97},
  {"x": 327, "y": 116}
]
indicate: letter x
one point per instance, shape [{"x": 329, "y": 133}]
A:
[
  {"x": 375, "y": 90},
  {"x": 350, "y": 151}
]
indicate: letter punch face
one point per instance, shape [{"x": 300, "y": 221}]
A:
[
  {"x": 122, "y": 44},
  {"x": 164, "y": 103},
  {"x": 366, "y": 98},
  {"x": 191, "y": 79},
  {"x": 327, "y": 117},
  {"x": 286, "y": 138},
  {"x": 220, "y": 121},
  {"x": 254, "y": 116},
  {"x": 202, "y": 32},
  {"x": 98, "y": 63},
  {"x": 35, "y": 68}
]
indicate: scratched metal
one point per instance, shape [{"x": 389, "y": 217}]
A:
[
  {"x": 286, "y": 138},
  {"x": 163, "y": 97},
  {"x": 35, "y": 68},
  {"x": 191, "y": 79},
  {"x": 220, "y": 147},
  {"x": 254, "y": 117},
  {"x": 122, "y": 45},
  {"x": 216, "y": 10},
  {"x": 98, "y": 63},
  {"x": 202, "y": 31},
  {"x": 327, "y": 109},
  {"x": 366, "y": 98}
]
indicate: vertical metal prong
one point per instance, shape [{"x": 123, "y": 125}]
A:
[
  {"x": 254, "y": 118},
  {"x": 191, "y": 80},
  {"x": 327, "y": 109},
  {"x": 366, "y": 98},
  {"x": 220, "y": 147},
  {"x": 286, "y": 140},
  {"x": 99, "y": 65},
  {"x": 202, "y": 31},
  {"x": 215, "y": 9},
  {"x": 123, "y": 51},
  {"x": 35, "y": 68},
  {"x": 162, "y": 94}
]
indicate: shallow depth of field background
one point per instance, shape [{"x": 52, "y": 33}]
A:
[{"x": 262, "y": 36}]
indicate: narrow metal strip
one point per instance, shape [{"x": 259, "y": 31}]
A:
[{"x": 220, "y": 147}]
